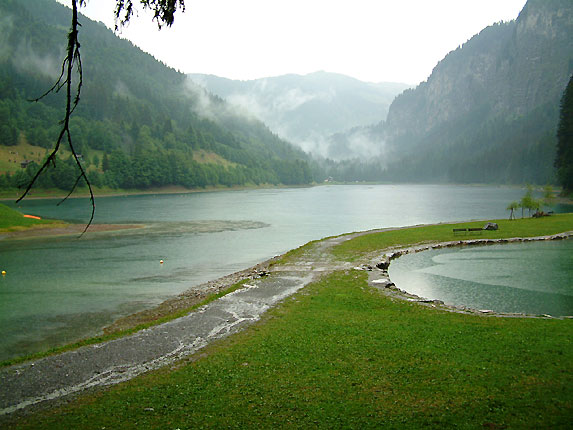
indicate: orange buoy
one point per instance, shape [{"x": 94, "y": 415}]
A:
[{"x": 160, "y": 261}]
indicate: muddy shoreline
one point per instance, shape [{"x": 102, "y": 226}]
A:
[{"x": 65, "y": 230}]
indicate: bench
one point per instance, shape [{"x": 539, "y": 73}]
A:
[{"x": 467, "y": 230}]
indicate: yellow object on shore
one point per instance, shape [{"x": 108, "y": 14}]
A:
[{"x": 3, "y": 272}]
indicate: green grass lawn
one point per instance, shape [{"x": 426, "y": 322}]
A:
[
  {"x": 12, "y": 220},
  {"x": 340, "y": 354},
  {"x": 524, "y": 227}
]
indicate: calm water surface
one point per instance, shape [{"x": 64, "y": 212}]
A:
[
  {"x": 60, "y": 289},
  {"x": 532, "y": 277}
]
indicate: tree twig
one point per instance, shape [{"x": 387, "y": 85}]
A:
[{"x": 72, "y": 59}]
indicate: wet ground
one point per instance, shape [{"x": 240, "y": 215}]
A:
[
  {"x": 52, "y": 379},
  {"x": 56, "y": 377}
]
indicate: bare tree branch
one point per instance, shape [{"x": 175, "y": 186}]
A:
[
  {"x": 72, "y": 59},
  {"x": 164, "y": 11}
]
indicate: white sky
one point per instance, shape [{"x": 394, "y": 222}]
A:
[{"x": 372, "y": 40}]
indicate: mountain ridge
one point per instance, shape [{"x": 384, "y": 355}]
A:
[
  {"x": 478, "y": 106},
  {"x": 307, "y": 109}
]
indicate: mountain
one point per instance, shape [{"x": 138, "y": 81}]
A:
[
  {"x": 307, "y": 109},
  {"x": 489, "y": 110},
  {"x": 139, "y": 123}
]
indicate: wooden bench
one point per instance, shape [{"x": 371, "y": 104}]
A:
[{"x": 467, "y": 230}]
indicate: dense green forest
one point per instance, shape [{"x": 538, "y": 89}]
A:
[
  {"x": 139, "y": 123},
  {"x": 564, "y": 157}
]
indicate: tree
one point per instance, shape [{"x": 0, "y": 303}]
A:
[
  {"x": 8, "y": 135},
  {"x": 71, "y": 74},
  {"x": 564, "y": 156},
  {"x": 548, "y": 196},
  {"x": 512, "y": 207},
  {"x": 527, "y": 201}
]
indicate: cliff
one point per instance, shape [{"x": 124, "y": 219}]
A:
[{"x": 489, "y": 110}]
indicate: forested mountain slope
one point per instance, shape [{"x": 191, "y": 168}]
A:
[
  {"x": 139, "y": 124},
  {"x": 307, "y": 109},
  {"x": 489, "y": 110}
]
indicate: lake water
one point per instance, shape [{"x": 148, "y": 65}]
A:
[
  {"x": 530, "y": 277},
  {"x": 60, "y": 289}
]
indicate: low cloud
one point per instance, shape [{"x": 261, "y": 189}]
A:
[
  {"x": 272, "y": 106},
  {"x": 122, "y": 90},
  {"x": 291, "y": 100},
  {"x": 358, "y": 143},
  {"x": 203, "y": 102},
  {"x": 249, "y": 105},
  {"x": 26, "y": 59}
]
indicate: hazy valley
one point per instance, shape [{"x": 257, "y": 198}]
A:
[{"x": 487, "y": 114}]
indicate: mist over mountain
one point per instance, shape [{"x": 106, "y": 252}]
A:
[
  {"x": 307, "y": 110},
  {"x": 487, "y": 114},
  {"x": 139, "y": 123},
  {"x": 489, "y": 110}
]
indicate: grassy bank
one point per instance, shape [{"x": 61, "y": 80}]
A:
[
  {"x": 340, "y": 354},
  {"x": 524, "y": 227},
  {"x": 12, "y": 220}
]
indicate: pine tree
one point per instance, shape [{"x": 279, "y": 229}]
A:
[{"x": 564, "y": 157}]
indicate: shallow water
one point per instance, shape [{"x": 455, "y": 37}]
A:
[
  {"x": 60, "y": 289},
  {"x": 529, "y": 277}
]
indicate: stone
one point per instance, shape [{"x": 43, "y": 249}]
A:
[
  {"x": 491, "y": 226},
  {"x": 383, "y": 282}
]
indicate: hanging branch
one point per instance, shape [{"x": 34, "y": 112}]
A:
[
  {"x": 164, "y": 11},
  {"x": 72, "y": 59}
]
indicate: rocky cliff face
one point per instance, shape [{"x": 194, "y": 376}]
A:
[
  {"x": 504, "y": 74},
  {"x": 458, "y": 85}
]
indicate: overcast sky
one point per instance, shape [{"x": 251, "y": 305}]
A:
[{"x": 372, "y": 40}]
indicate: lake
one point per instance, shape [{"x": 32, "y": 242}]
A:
[
  {"x": 529, "y": 277},
  {"x": 60, "y": 289}
]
